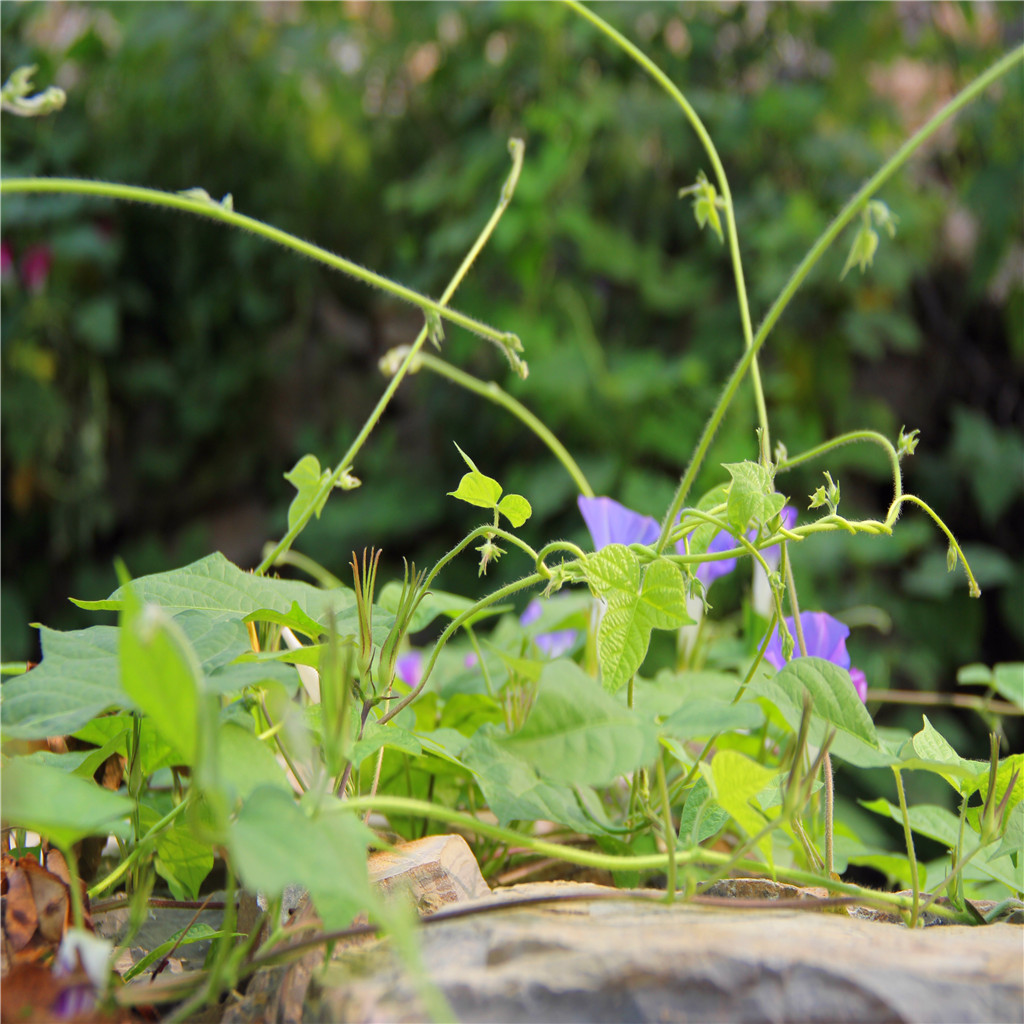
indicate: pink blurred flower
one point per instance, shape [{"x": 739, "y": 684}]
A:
[
  {"x": 35, "y": 266},
  {"x": 554, "y": 644},
  {"x": 6, "y": 260},
  {"x": 409, "y": 668}
]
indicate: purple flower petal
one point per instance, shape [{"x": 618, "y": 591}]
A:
[
  {"x": 860, "y": 682},
  {"x": 555, "y": 644},
  {"x": 708, "y": 572},
  {"x": 825, "y": 637},
  {"x": 612, "y": 523},
  {"x": 532, "y": 613},
  {"x": 409, "y": 668}
]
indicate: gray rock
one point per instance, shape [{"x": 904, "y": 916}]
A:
[{"x": 617, "y": 960}]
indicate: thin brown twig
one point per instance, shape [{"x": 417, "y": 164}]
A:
[{"x": 956, "y": 700}]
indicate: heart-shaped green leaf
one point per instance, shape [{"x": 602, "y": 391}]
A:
[
  {"x": 515, "y": 508},
  {"x": 577, "y": 735},
  {"x": 477, "y": 489}
]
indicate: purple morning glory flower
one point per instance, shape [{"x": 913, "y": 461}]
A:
[
  {"x": 553, "y": 644},
  {"x": 708, "y": 572},
  {"x": 409, "y": 668},
  {"x": 826, "y": 638},
  {"x": 612, "y": 523}
]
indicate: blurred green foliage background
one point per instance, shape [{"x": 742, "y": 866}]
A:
[{"x": 160, "y": 373}]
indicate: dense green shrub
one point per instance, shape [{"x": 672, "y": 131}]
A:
[{"x": 166, "y": 373}]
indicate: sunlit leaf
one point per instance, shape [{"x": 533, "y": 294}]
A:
[
  {"x": 576, "y": 734},
  {"x": 274, "y": 844},
  {"x": 64, "y": 808},
  {"x": 477, "y": 489},
  {"x": 515, "y": 508},
  {"x": 214, "y": 584},
  {"x": 735, "y": 780}
]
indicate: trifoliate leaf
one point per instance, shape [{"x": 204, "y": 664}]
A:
[{"x": 637, "y": 602}]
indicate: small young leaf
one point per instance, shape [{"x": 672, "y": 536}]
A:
[
  {"x": 752, "y": 495},
  {"x": 465, "y": 458},
  {"x": 705, "y": 204},
  {"x": 862, "y": 252},
  {"x": 477, "y": 489},
  {"x": 515, "y": 508},
  {"x": 307, "y": 478}
]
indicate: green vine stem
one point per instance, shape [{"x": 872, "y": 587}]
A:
[
  {"x": 915, "y": 882},
  {"x": 723, "y": 187},
  {"x": 324, "y": 577},
  {"x": 975, "y": 590},
  {"x": 493, "y": 392},
  {"x": 213, "y": 210},
  {"x": 667, "y": 826},
  {"x": 122, "y": 869},
  {"x": 983, "y": 705},
  {"x": 853, "y": 206},
  {"x": 744, "y": 547},
  {"x": 826, "y": 761},
  {"x": 481, "y": 531},
  {"x": 410, "y": 807},
  {"x": 517, "y": 149},
  {"x": 850, "y": 438}
]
